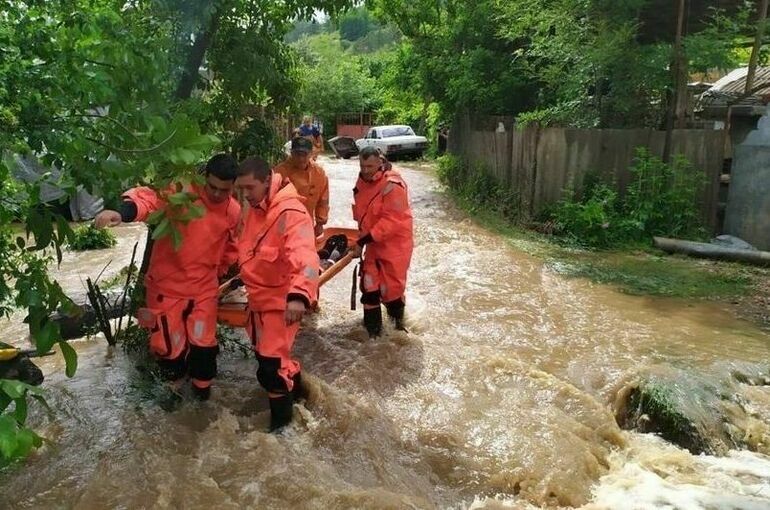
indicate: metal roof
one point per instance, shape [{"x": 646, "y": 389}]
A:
[{"x": 728, "y": 90}]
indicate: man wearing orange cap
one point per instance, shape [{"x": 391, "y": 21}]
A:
[
  {"x": 279, "y": 267},
  {"x": 181, "y": 284},
  {"x": 309, "y": 179},
  {"x": 381, "y": 208}
]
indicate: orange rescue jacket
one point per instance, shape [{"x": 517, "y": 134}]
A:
[
  {"x": 277, "y": 250},
  {"x": 382, "y": 210},
  {"x": 208, "y": 246},
  {"x": 312, "y": 184}
]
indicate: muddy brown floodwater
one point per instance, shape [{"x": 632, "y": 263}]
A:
[{"x": 502, "y": 395}]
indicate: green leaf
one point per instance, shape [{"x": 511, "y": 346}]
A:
[
  {"x": 5, "y": 401},
  {"x": 14, "y": 389},
  {"x": 21, "y": 410},
  {"x": 178, "y": 198},
  {"x": 162, "y": 229},
  {"x": 26, "y": 440},
  {"x": 47, "y": 336},
  {"x": 64, "y": 230},
  {"x": 196, "y": 211},
  {"x": 8, "y": 434},
  {"x": 176, "y": 238},
  {"x": 202, "y": 142},
  {"x": 70, "y": 357},
  {"x": 154, "y": 217},
  {"x": 42, "y": 401},
  {"x": 182, "y": 156},
  {"x": 40, "y": 226}
]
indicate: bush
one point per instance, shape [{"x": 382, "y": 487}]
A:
[
  {"x": 661, "y": 200},
  {"x": 92, "y": 238},
  {"x": 594, "y": 221},
  {"x": 476, "y": 188}
]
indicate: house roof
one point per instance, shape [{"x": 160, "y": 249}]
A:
[{"x": 728, "y": 90}]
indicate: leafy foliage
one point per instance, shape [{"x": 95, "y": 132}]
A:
[
  {"x": 593, "y": 221},
  {"x": 356, "y": 24},
  {"x": 660, "y": 200},
  {"x": 95, "y": 88},
  {"x": 582, "y": 63},
  {"x": 16, "y": 440},
  {"x": 91, "y": 238},
  {"x": 476, "y": 188},
  {"x": 335, "y": 81}
]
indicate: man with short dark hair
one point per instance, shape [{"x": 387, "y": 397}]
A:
[
  {"x": 381, "y": 208},
  {"x": 279, "y": 267},
  {"x": 182, "y": 284},
  {"x": 310, "y": 180}
]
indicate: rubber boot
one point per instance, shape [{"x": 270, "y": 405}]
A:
[
  {"x": 202, "y": 394},
  {"x": 281, "y": 410},
  {"x": 298, "y": 392},
  {"x": 396, "y": 312},
  {"x": 172, "y": 369},
  {"x": 373, "y": 321}
]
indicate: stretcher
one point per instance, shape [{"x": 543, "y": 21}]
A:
[{"x": 233, "y": 309}]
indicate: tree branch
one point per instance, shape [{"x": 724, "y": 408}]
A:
[{"x": 134, "y": 151}]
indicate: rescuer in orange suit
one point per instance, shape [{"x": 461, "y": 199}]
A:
[
  {"x": 181, "y": 283},
  {"x": 279, "y": 267},
  {"x": 381, "y": 208},
  {"x": 310, "y": 180}
]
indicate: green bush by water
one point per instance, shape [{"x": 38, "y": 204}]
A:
[
  {"x": 660, "y": 200},
  {"x": 476, "y": 188},
  {"x": 91, "y": 238}
]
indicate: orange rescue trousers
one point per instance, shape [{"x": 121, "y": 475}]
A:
[
  {"x": 272, "y": 340},
  {"x": 183, "y": 336}
]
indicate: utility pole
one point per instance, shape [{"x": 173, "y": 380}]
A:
[
  {"x": 762, "y": 16},
  {"x": 677, "y": 70}
]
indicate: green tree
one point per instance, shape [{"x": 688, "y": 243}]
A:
[
  {"x": 333, "y": 80},
  {"x": 604, "y": 63},
  {"x": 454, "y": 56},
  {"x": 356, "y": 23},
  {"x": 113, "y": 94}
]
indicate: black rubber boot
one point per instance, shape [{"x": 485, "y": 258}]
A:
[
  {"x": 281, "y": 410},
  {"x": 373, "y": 321},
  {"x": 172, "y": 369},
  {"x": 202, "y": 394},
  {"x": 298, "y": 392},
  {"x": 396, "y": 312}
]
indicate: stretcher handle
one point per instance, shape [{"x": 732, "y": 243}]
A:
[
  {"x": 336, "y": 268},
  {"x": 325, "y": 276}
]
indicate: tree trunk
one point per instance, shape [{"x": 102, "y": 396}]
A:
[
  {"x": 195, "y": 58},
  {"x": 184, "y": 90},
  {"x": 711, "y": 251},
  {"x": 676, "y": 71},
  {"x": 752, "y": 71}
]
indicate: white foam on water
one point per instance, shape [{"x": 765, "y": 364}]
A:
[
  {"x": 652, "y": 474},
  {"x": 498, "y": 502}
]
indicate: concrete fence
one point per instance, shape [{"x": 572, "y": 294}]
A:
[{"x": 539, "y": 164}]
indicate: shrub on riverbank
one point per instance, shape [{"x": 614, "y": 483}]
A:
[
  {"x": 660, "y": 200},
  {"x": 92, "y": 238},
  {"x": 477, "y": 189}
]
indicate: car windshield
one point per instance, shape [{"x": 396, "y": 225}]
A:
[{"x": 397, "y": 131}]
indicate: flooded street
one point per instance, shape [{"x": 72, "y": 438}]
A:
[{"x": 503, "y": 395}]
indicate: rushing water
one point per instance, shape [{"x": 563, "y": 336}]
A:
[{"x": 503, "y": 395}]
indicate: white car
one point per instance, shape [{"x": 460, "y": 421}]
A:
[{"x": 394, "y": 141}]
